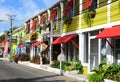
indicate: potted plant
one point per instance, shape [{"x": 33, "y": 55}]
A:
[
  {"x": 89, "y": 16},
  {"x": 67, "y": 20}
]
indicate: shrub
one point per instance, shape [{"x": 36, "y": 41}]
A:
[
  {"x": 75, "y": 65},
  {"x": 24, "y": 57},
  {"x": 36, "y": 59},
  {"x": 105, "y": 71},
  {"x": 56, "y": 64}
]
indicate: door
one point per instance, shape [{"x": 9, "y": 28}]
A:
[
  {"x": 93, "y": 53},
  {"x": 117, "y": 51}
]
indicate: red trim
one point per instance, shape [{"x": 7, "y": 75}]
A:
[
  {"x": 87, "y": 4},
  {"x": 37, "y": 43},
  {"x": 34, "y": 23},
  {"x": 67, "y": 9},
  {"x": 74, "y": 43},
  {"x": 42, "y": 19},
  {"x": 63, "y": 39},
  {"x": 110, "y": 32},
  {"x": 54, "y": 12}
]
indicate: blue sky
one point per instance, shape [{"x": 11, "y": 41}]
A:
[{"x": 23, "y": 9}]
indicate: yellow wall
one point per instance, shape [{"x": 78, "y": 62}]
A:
[
  {"x": 100, "y": 18},
  {"x": 114, "y": 12},
  {"x": 74, "y": 26},
  {"x": 85, "y": 69}
]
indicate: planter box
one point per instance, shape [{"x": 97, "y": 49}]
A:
[
  {"x": 54, "y": 70},
  {"x": 107, "y": 80},
  {"x": 74, "y": 72}
]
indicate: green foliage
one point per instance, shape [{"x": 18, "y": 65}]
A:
[
  {"x": 67, "y": 20},
  {"x": 89, "y": 16},
  {"x": 79, "y": 67},
  {"x": 12, "y": 57},
  {"x": 36, "y": 59},
  {"x": 95, "y": 78},
  {"x": 75, "y": 65},
  {"x": 105, "y": 71},
  {"x": 67, "y": 66},
  {"x": 56, "y": 64}
]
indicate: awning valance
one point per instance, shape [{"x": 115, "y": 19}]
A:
[
  {"x": 42, "y": 19},
  {"x": 110, "y": 32},
  {"x": 87, "y": 4},
  {"x": 53, "y": 14},
  {"x": 37, "y": 43},
  {"x": 67, "y": 9},
  {"x": 34, "y": 23},
  {"x": 63, "y": 39}
]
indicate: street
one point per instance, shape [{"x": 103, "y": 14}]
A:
[{"x": 12, "y": 72}]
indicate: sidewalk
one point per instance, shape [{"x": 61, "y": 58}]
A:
[{"x": 80, "y": 77}]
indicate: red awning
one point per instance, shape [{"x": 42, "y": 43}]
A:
[
  {"x": 67, "y": 9},
  {"x": 54, "y": 12},
  {"x": 63, "y": 39},
  {"x": 34, "y": 23},
  {"x": 42, "y": 19},
  {"x": 37, "y": 43},
  {"x": 87, "y": 3},
  {"x": 21, "y": 45},
  {"x": 110, "y": 32}
]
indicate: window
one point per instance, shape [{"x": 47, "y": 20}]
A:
[{"x": 76, "y": 7}]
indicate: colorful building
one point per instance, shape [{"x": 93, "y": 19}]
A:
[{"x": 70, "y": 27}]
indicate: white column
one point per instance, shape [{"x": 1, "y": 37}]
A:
[
  {"x": 80, "y": 12},
  {"x": 61, "y": 23},
  {"x": 108, "y": 48},
  {"x": 81, "y": 47},
  {"x": 51, "y": 40},
  {"x": 61, "y": 5},
  {"x": 99, "y": 51}
]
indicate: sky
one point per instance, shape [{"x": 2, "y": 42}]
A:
[{"x": 22, "y": 9}]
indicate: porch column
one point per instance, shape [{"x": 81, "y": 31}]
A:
[
  {"x": 81, "y": 47},
  {"x": 61, "y": 22},
  {"x": 51, "y": 40}
]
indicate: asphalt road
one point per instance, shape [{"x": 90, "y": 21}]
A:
[{"x": 12, "y": 72}]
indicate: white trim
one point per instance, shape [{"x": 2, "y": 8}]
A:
[{"x": 88, "y": 52}]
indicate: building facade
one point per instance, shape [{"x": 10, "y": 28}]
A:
[{"x": 70, "y": 27}]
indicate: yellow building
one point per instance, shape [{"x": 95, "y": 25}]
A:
[{"x": 70, "y": 27}]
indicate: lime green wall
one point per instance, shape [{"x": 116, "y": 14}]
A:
[
  {"x": 115, "y": 12},
  {"x": 74, "y": 26},
  {"x": 14, "y": 45},
  {"x": 100, "y": 18}
]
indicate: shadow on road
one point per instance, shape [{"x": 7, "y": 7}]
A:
[{"x": 38, "y": 79}]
